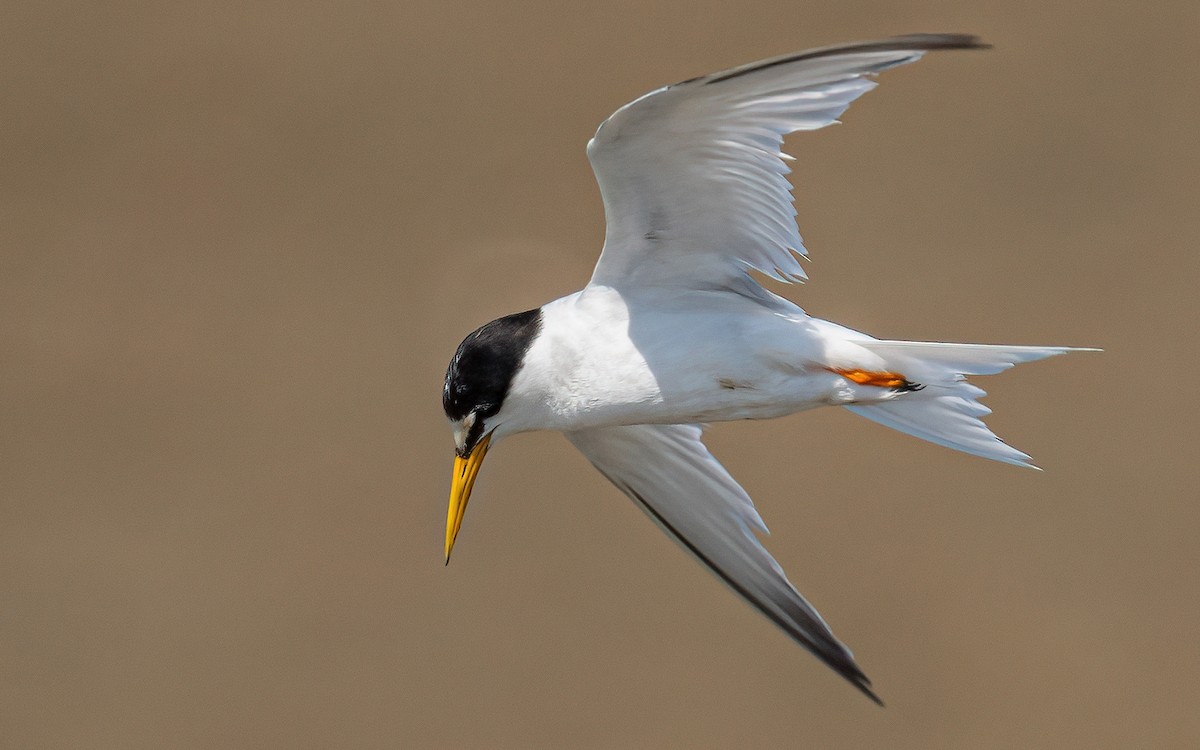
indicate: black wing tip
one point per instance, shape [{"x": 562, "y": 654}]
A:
[
  {"x": 932, "y": 42},
  {"x": 903, "y": 43},
  {"x": 843, "y": 663},
  {"x": 864, "y": 686}
]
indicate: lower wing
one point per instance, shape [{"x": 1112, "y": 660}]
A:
[{"x": 670, "y": 474}]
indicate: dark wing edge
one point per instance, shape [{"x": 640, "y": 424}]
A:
[
  {"x": 907, "y": 42},
  {"x": 671, "y": 476}
]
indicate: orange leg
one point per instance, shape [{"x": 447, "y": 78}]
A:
[{"x": 881, "y": 379}]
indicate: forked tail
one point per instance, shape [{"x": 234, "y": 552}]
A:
[{"x": 947, "y": 410}]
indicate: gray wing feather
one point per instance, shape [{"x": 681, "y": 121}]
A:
[
  {"x": 692, "y": 175},
  {"x": 671, "y": 476}
]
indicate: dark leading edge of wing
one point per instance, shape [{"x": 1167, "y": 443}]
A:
[
  {"x": 828, "y": 650},
  {"x": 692, "y": 174},
  {"x": 675, "y": 480},
  {"x": 914, "y": 42}
]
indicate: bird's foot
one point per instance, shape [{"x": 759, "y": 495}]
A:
[{"x": 878, "y": 378}]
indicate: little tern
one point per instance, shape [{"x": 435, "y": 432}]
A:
[{"x": 673, "y": 331}]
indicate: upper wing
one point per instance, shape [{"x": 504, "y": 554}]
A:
[
  {"x": 692, "y": 174},
  {"x": 671, "y": 475}
]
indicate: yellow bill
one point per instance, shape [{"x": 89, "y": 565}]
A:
[{"x": 465, "y": 471}]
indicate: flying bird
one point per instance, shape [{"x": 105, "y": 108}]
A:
[{"x": 673, "y": 331}]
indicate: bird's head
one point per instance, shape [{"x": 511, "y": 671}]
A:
[{"x": 477, "y": 383}]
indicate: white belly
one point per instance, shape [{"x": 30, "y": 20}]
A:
[{"x": 607, "y": 359}]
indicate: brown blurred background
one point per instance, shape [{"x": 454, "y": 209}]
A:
[{"x": 241, "y": 241}]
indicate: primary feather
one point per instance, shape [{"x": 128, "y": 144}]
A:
[
  {"x": 692, "y": 174},
  {"x": 671, "y": 476}
]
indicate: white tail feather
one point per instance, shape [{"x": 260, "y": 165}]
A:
[{"x": 947, "y": 410}]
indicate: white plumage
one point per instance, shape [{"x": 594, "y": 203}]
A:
[{"x": 672, "y": 331}]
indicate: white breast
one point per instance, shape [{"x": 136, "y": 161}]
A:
[{"x": 607, "y": 358}]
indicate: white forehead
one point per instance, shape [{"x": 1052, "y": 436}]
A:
[{"x": 461, "y": 429}]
